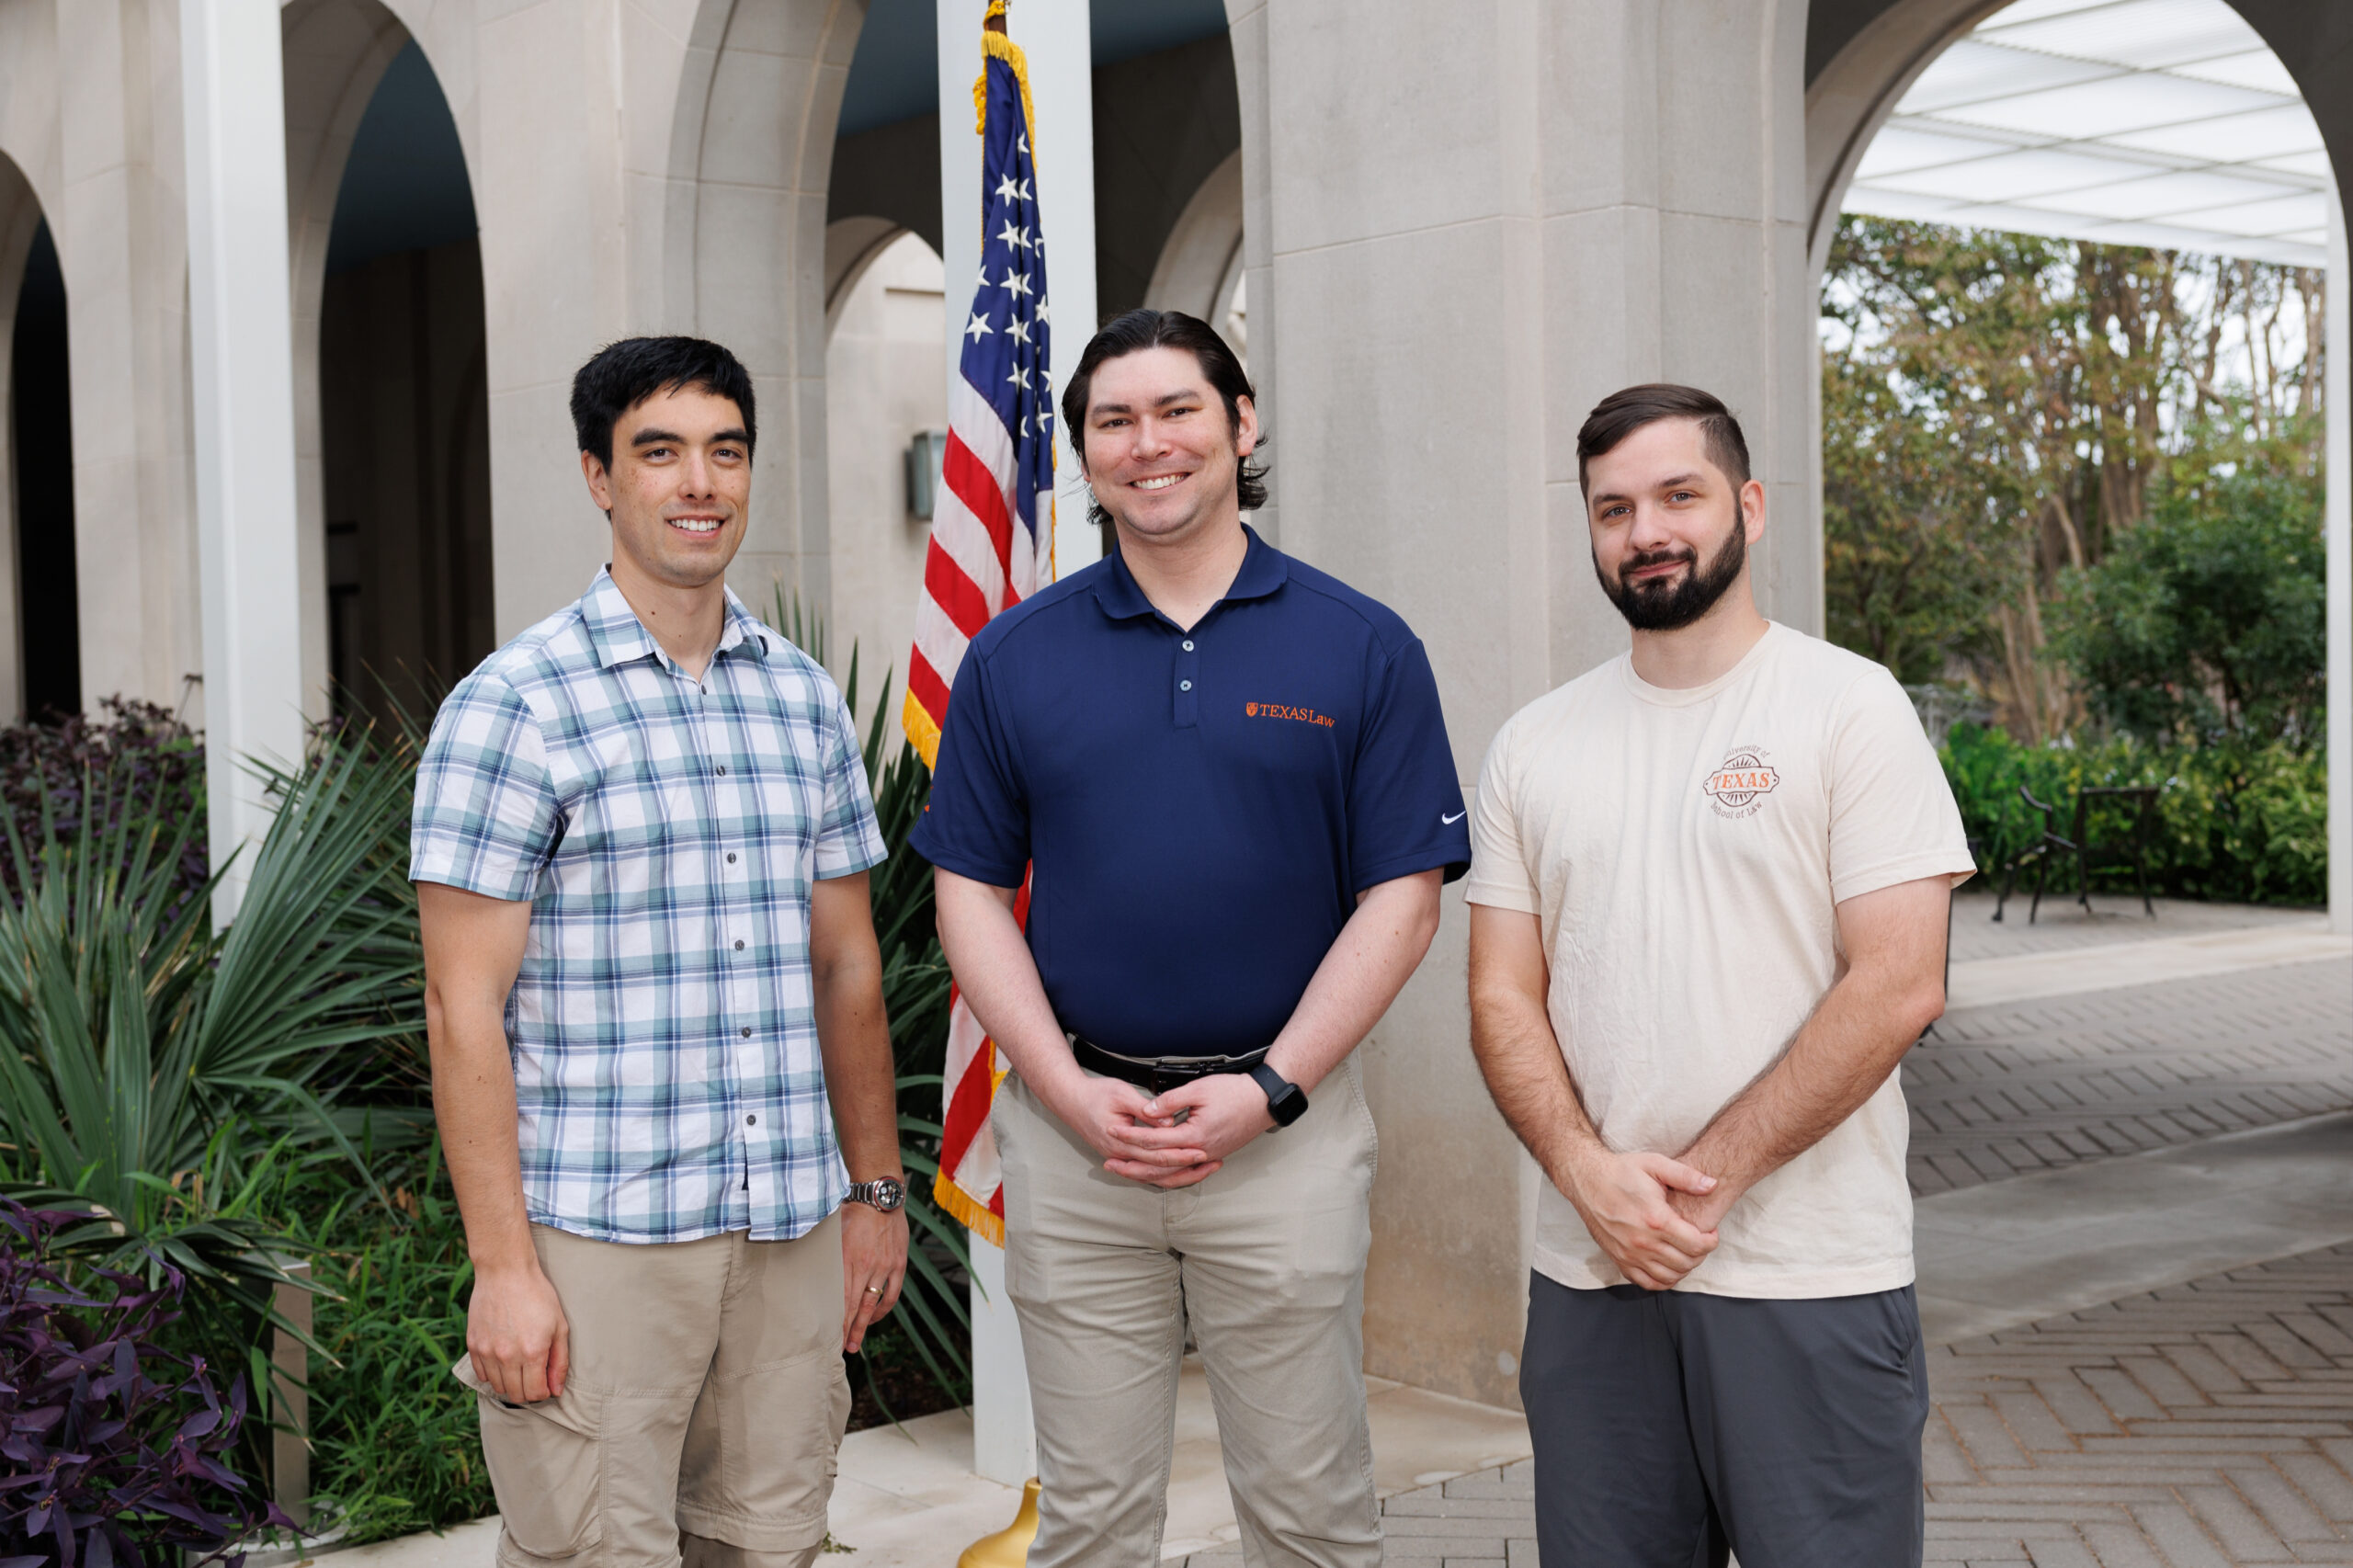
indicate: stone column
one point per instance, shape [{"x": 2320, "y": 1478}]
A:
[
  {"x": 554, "y": 267},
  {"x": 1476, "y": 232},
  {"x": 241, "y": 332},
  {"x": 118, "y": 225},
  {"x": 2337, "y": 526}
]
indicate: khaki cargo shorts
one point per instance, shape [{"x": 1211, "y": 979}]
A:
[{"x": 701, "y": 1419}]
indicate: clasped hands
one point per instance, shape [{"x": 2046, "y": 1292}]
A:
[
  {"x": 1655, "y": 1216},
  {"x": 1169, "y": 1140}
]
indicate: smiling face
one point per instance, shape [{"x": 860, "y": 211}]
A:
[
  {"x": 1160, "y": 452},
  {"x": 679, "y": 488},
  {"x": 1670, "y": 529}
]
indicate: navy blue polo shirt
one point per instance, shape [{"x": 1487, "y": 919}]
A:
[{"x": 1202, "y": 807}]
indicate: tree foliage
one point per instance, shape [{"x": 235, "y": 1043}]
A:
[
  {"x": 2002, "y": 412},
  {"x": 2206, "y": 622}
]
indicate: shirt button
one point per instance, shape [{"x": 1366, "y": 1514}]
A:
[
  {"x": 751, "y": 1122},
  {"x": 731, "y": 857},
  {"x": 1188, "y": 645},
  {"x": 1183, "y": 686},
  {"x": 739, "y": 945},
  {"x": 722, "y": 770},
  {"x": 747, "y": 1031}
]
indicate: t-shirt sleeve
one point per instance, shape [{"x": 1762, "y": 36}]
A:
[
  {"x": 849, "y": 840},
  {"x": 1498, "y": 864},
  {"x": 487, "y": 818},
  {"x": 977, "y": 824},
  {"x": 1405, "y": 812},
  {"x": 1892, "y": 813}
]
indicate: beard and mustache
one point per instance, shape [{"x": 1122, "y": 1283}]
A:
[{"x": 1669, "y": 604}]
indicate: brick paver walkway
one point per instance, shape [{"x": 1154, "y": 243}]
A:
[
  {"x": 1975, "y": 935},
  {"x": 2006, "y": 1090},
  {"x": 2203, "y": 1425}
]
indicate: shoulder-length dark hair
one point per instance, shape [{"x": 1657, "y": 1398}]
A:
[{"x": 1132, "y": 334}]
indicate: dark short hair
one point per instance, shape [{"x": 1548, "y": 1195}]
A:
[
  {"x": 1138, "y": 330},
  {"x": 1621, "y": 414},
  {"x": 625, "y": 374}
]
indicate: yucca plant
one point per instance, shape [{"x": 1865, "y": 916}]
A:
[{"x": 154, "y": 1071}]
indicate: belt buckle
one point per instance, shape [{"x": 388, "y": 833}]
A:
[{"x": 1168, "y": 1072}]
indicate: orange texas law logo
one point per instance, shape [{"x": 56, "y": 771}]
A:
[
  {"x": 1285, "y": 710},
  {"x": 1738, "y": 788}
]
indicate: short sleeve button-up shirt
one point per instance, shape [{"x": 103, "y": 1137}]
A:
[{"x": 667, "y": 832}]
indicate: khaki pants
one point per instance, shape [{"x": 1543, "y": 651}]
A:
[
  {"x": 1265, "y": 1260},
  {"x": 699, "y": 1421}
]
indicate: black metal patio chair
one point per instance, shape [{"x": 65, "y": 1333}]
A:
[{"x": 2078, "y": 845}]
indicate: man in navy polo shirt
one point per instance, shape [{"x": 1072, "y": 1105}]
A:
[{"x": 1232, "y": 777}]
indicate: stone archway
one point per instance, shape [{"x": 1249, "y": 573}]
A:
[
  {"x": 1200, "y": 266},
  {"x": 22, "y": 223},
  {"x": 392, "y": 421},
  {"x": 886, "y": 316},
  {"x": 336, "y": 53},
  {"x": 744, "y": 250},
  {"x": 1863, "y": 55}
]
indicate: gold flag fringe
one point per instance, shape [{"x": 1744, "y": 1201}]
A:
[{"x": 974, "y": 1216}]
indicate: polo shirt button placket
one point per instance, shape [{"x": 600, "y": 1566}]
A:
[{"x": 1188, "y": 708}]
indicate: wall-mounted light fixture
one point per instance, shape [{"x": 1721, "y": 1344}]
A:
[{"x": 927, "y": 455}]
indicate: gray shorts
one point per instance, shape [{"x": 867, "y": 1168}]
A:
[{"x": 1674, "y": 1427}]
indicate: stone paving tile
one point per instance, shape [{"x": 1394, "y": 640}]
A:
[
  {"x": 2203, "y": 1425},
  {"x": 2011, "y": 1089},
  {"x": 2193, "y": 1427},
  {"x": 2114, "y": 918}
]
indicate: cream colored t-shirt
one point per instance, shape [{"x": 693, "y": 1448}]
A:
[{"x": 1684, "y": 852}]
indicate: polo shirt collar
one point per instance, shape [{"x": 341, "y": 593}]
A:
[
  {"x": 618, "y": 636},
  {"x": 1264, "y": 570}
]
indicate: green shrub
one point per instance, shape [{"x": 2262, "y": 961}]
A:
[
  {"x": 395, "y": 1441},
  {"x": 2237, "y": 821},
  {"x": 2205, "y": 623}
]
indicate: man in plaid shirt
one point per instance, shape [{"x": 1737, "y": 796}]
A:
[{"x": 640, "y": 845}]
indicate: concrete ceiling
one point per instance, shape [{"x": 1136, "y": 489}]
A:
[{"x": 2165, "y": 123}]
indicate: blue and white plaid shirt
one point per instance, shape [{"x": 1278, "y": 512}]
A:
[{"x": 667, "y": 832}]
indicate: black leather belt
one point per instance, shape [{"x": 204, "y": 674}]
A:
[{"x": 1156, "y": 1073}]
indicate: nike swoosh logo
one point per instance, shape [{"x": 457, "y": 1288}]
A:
[{"x": 1445, "y": 821}]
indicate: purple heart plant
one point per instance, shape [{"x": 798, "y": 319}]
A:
[{"x": 110, "y": 1446}]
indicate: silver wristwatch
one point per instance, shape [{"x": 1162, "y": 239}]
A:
[{"x": 884, "y": 1193}]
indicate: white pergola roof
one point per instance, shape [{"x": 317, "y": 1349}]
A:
[{"x": 2165, "y": 123}]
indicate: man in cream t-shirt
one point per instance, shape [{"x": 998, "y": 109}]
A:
[{"x": 1710, "y": 883}]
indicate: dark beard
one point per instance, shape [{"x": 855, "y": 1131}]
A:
[{"x": 1662, "y": 607}]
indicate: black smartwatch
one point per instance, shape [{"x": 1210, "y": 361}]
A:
[{"x": 1286, "y": 1101}]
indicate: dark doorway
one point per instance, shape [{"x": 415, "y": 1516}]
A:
[
  {"x": 46, "y": 608},
  {"x": 404, "y": 408}
]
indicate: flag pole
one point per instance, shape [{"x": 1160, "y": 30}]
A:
[{"x": 1004, "y": 1440}]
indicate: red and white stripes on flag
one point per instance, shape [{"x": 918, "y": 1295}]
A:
[{"x": 992, "y": 537}]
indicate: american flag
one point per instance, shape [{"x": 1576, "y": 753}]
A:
[{"x": 992, "y": 536}]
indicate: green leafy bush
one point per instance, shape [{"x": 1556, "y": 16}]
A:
[
  {"x": 155, "y": 1074},
  {"x": 395, "y": 1440},
  {"x": 2243, "y": 822},
  {"x": 2205, "y": 623}
]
